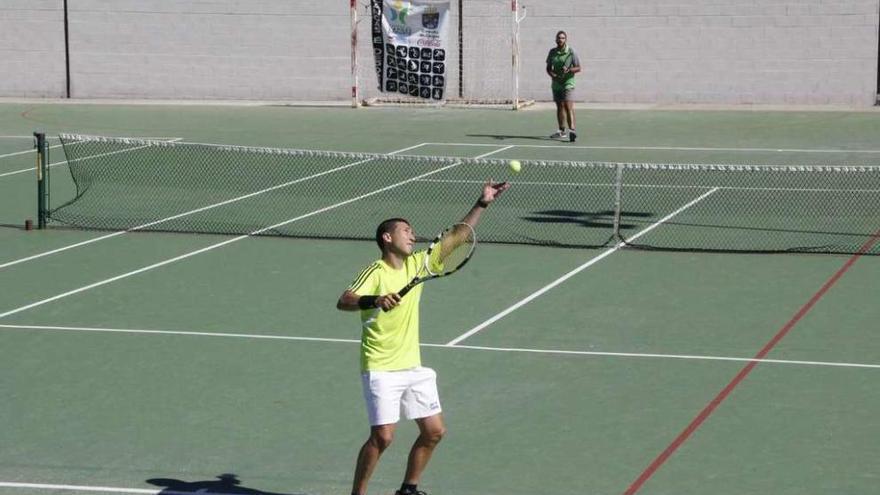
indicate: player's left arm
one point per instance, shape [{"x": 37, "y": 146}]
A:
[{"x": 491, "y": 192}]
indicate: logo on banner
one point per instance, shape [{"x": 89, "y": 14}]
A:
[
  {"x": 431, "y": 18},
  {"x": 399, "y": 11}
]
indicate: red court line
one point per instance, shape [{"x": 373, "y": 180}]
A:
[{"x": 714, "y": 403}]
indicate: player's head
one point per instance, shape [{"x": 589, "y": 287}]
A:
[
  {"x": 561, "y": 39},
  {"x": 395, "y": 235}
]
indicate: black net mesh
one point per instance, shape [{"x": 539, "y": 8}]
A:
[{"x": 128, "y": 184}]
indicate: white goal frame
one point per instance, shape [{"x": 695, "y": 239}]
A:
[{"x": 502, "y": 92}]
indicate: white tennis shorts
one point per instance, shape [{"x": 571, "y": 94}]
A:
[{"x": 414, "y": 391}]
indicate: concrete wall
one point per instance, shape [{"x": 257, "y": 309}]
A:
[
  {"x": 32, "y": 48},
  {"x": 730, "y": 51},
  {"x": 236, "y": 49},
  {"x": 667, "y": 51}
]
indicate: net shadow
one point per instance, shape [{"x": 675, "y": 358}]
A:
[
  {"x": 603, "y": 219},
  {"x": 502, "y": 137}
]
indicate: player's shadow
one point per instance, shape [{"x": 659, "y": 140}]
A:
[
  {"x": 502, "y": 137},
  {"x": 602, "y": 219},
  {"x": 225, "y": 484}
]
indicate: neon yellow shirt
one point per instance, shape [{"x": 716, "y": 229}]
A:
[{"x": 390, "y": 339}]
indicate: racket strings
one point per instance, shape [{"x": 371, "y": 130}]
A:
[{"x": 451, "y": 260}]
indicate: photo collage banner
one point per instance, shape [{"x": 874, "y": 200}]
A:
[{"x": 410, "y": 39}]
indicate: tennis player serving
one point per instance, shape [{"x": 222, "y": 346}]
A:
[{"x": 392, "y": 375}]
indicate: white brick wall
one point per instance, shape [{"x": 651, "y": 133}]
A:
[
  {"x": 667, "y": 51},
  {"x": 712, "y": 51},
  {"x": 32, "y": 48},
  {"x": 232, "y": 49}
]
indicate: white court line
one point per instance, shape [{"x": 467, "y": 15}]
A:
[
  {"x": 31, "y": 169},
  {"x": 180, "y": 215},
  {"x": 114, "y": 489},
  {"x": 230, "y": 241},
  {"x": 26, "y": 151},
  {"x": 34, "y": 150},
  {"x": 102, "y": 489},
  {"x": 179, "y": 332},
  {"x": 574, "y": 272},
  {"x": 668, "y": 148},
  {"x": 658, "y": 186},
  {"x": 440, "y": 346}
]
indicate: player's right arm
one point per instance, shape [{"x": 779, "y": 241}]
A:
[
  {"x": 360, "y": 294},
  {"x": 350, "y": 301},
  {"x": 550, "y": 65}
]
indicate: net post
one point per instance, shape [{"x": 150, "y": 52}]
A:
[
  {"x": 354, "y": 57},
  {"x": 42, "y": 167},
  {"x": 618, "y": 187}
]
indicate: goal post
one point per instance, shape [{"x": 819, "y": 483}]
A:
[{"x": 482, "y": 57}]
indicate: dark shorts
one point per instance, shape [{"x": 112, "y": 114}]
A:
[{"x": 563, "y": 95}]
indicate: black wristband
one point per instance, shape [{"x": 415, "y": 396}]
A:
[
  {"x": 367, "y": 302},
  {"x": 482, "y": 204}
]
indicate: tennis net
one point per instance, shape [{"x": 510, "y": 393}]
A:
[{"x": 132, "y": 184}]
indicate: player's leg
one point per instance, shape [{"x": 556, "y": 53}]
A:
[
  {"x": 560, "y": 115},
  {"x": 431, "y": 431},
  {"x": 368, "y": 457},
  {"x": 569, "y": 113},
  {"x": 382, "y": 393},
  {"x": 421, "y": 402}
]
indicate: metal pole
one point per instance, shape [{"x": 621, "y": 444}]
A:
[
  {"x": 514, "y": 47},
  {"x": 354, "y": 57},
  {"x": 66, "y": 51},
  {"x": 618, "y": 186},
  {"x": 460, "y": 49},
  {"x": 42, "y": 178}
]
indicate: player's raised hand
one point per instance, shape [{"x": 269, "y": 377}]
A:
[{"x": 492, "y": 190}]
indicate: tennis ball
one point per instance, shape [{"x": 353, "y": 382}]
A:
[{"x": 515, "y": 166}]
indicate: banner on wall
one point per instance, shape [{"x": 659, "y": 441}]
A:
[{"x": 410, "y": 42}]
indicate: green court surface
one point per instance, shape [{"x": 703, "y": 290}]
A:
[{"x": 162, "y": 362}]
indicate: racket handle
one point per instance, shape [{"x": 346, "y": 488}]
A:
[{"x": 405, "y": 290}]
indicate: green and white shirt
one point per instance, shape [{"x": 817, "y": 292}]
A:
[{"x": 557, "y": 60}]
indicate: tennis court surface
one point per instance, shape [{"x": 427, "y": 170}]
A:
[{"x": 680, "y": 302}]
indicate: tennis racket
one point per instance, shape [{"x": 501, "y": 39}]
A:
[
  {"x": 566, "y": 64},
  {"x": 447, "y": 253}
]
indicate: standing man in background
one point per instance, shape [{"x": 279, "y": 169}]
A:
[{"x": 562, "y": 65}]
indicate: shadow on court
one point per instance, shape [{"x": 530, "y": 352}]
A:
[
  {"x": 225, "y": 484},
  {"x": 590, "y": 219}
]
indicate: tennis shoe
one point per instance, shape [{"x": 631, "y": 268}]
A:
[
  {"x": 559, "y": 135},
  {"x": 417, "y": 492},
  {"x": 572, "y": 136}
]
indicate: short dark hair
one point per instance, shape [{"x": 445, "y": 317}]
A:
[
  {"x": 562, "y": 32},
  {"x": 387, "y": 226}
]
